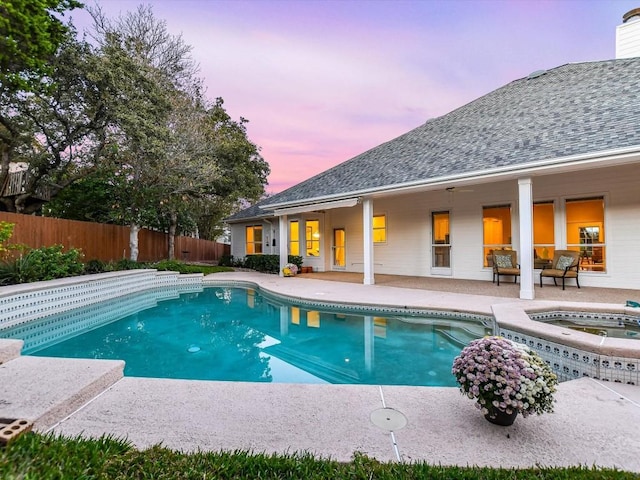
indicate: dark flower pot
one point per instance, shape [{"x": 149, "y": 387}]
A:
[{"x": 498, "y": 417}]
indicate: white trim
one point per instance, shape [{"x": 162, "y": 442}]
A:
[
  {"x": 367, "y": 225},
  {"x": 525, "y": 219},
  {"x": 283, "y": 248},
  {"x": 349, "y": 202},
  {"x": 571, "y": 163}
]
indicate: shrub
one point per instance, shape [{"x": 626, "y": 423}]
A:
[
  {"x": 52, "y": 262},
  {"x": 95, "y": 266},
  {"x": 226, "y": 261},
  {"x": 126, "y": 264},
  {"x": 296, "y": 260},
  {"x": 6, "y": 230},
  {"x": 172, "y": 266},
  {"x": 263, "y": 263},
  {"x": 269, "y": 263},
  {"x": 17, "y": 270},
  {"x": 45, "y": 263}
]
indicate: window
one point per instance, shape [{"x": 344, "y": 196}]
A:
[
  {"x": 585, "y": 232},
  {"x": 496, "y": 223},
  {"x": 313, "y": 319},
  {"x": 312, "y": 238},
  {"x": 254, "y": 239},
  {"x": 379, "y": 228},
  {"x": 543, "y": 233},
  {"x": 441, "y": 246},
  {"x": 294, "y": 238}
]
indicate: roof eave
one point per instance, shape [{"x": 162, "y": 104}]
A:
[{"x": 555, "y": 165}]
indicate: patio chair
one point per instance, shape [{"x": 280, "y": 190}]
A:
[
  {"x": 505, "y": 262},
  {"x": 564, "y": 265}
]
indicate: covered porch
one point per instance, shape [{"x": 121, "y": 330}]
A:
[{"x": 486, "y": 288}]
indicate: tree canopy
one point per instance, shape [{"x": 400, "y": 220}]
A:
[
  {"x": 30, "y": 33},
  {"x": 120, "y": 130}
]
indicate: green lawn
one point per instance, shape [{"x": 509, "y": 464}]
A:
[{"x": 33, "y": 456}]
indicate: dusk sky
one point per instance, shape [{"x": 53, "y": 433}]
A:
[{"x": 322, "y": 81}]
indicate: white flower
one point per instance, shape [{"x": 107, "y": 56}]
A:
[{"x": 501, "y": 373}]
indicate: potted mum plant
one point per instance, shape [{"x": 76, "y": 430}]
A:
[
  {"x": 505, "y": 378},
  {"x": 290, "y": 270}
]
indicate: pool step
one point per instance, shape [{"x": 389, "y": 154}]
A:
[
  {"x": 45, "y": 390},
  {"x": 9, "y": 349}
]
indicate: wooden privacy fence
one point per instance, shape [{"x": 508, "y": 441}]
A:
[{"x": 107, "y": 242}]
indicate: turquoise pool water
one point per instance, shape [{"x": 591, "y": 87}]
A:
[{"x": 237, "y": 334}]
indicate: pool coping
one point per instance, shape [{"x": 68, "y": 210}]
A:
[
  {"x": 599, "y": 357},
  {"x": 586, "y": 355},
  {"x": 333, "y": 421}
]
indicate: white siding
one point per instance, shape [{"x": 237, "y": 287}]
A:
[
  {"x": 237, "y": 239},
  {"x": 628, "y": 39},
  {"x": 269, "y": 233},
  {"x": 408, "y": 246}
]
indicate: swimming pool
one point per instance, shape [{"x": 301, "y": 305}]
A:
[{"x": 239, "y": 334}]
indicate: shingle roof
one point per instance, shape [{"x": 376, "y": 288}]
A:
[
  {"x": 254, "y": 211},
  {"x": 569, "y": 110}
]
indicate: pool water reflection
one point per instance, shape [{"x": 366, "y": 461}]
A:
[{"x": 237, "y": 334}]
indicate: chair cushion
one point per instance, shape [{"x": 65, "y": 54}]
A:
[
  {"x": 503, "y": 261},
  {"x": 551, "y": 272},
  {"x": 508, "y": 271},
  {"x": 564, "y": 262}
]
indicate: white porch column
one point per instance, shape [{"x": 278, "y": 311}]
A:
[
  {"x": 525, "y": 255},
  {"x": 284, "y": 320},
  {"x": 367, "y": 225},
  {"x": 369, "y": 342},
  {"x": 283, "y": 248}
]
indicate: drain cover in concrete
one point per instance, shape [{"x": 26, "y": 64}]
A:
[
  {"x": 10, "y": 429},
  {"x": 388, "y": 419}
]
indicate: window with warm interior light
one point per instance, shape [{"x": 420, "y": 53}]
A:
[
  {"x": 254, "y": 239},
  {"x": 312, "y": 238},
  {"x": 379, "y": 228},
  {"x": 585, "y": 232},
  {"x": 251, "y": 298},
  {"x": 295, "y": 315},
  {"x": 294, "y": 238},
  {"x": 313, "y": 319},
  {"x": 441, "y": 240},
  {"x": 543, "y": 233},
  {"x": 380, "y": 327},
  {"x": 496, "y": 228}
]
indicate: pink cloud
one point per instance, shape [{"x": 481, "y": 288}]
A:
[{"x": 321, "y": 82}]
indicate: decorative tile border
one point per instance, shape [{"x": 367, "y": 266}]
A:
[
  {"x": 571, "y": 363},
  {"x": 486, "y": 320},
  {"x": 22, "y": 303},
  {"x": 573, "y": 353},
  {"x": 43, "y": 332}
]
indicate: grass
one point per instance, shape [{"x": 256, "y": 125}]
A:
[
  {"x": 178, "y": 266},
  {"x": 43, "y": 457}
]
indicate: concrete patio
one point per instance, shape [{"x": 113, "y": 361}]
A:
[{"x": 595, "y": 423}]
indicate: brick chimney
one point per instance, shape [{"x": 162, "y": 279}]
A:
[{"x": 628, "y": 35}]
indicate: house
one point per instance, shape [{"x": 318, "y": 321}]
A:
[{"x": 550, "y": 161}]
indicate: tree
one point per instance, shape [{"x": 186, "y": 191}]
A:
[
  {"x": 211, "y": 162},
  {"x": 121, "y": 132},
  {"x": 89, "y": 199},
  {"x": 30, "y": 33},
  {"x": 194, "y": 152},
  {"x": 163, "y": 68},
  {"x": 57, "y": 129}
]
